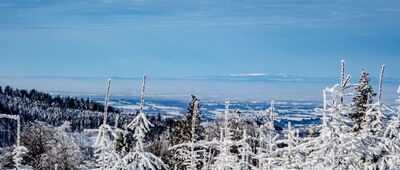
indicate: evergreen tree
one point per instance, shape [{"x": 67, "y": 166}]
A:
[
  {"x": 363, "y": 97},
  {"x": 225, "y": 159},
  {"x": 105, "y": 152},
  {"x": 194, "y": 106},
  {"x": 266, "y": 151},
  {"x": 137, "y": 158},
  {"x": 191, "y": 152},
  {"x": 391, "y": 138},
  {"x": 291, "y": 156},
  {"x": 182, "y": 128}
]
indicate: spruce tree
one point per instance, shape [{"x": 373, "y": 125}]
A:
[
  {"x": 182, "y": 128},
  {"x": 182, "y": 131},
  {"x": 363, "y": 97},
  {"x": 197, "y": 122}
]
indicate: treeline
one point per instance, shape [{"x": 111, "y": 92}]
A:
[{"x": 58, "y": 101}]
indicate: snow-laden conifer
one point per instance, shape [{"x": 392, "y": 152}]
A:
[
  {"x": 334, "y": 148},
  {"x": 245, "y": 153},
  {"x": 376, "y": 133},
  {"x": 391, "y": 137},
  {"x": 363, "y": 97},
  {"x": 137, "y": 158},
  {"x": 192, "y": 152},
  {"x": 182, "y": 133},
  {"x": 105, "y": 151},
  {"x": 226, "y": 159},
  {"x": 375, "y": 118},
  {"x": 291, "y": 158},
  {"x": 266, "y": 151}
]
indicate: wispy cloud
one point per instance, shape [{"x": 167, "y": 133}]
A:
[{"x": 250, "y": 74}]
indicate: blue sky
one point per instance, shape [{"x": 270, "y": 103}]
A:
[{"x": 175, "y": 38}]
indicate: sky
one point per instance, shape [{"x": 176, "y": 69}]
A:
[{"x": 184, "y": 38}]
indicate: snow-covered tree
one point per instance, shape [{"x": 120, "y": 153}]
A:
[
  {"x": 106, "y": 154},
  {"x": 226, "y": 159},
  {"x": 137, "y": 158},
  {"x": 245, "y": 152},
  {"x": 266, "y": 151},
  {"x": 374, "y": 116},
  {"x": 67, "y": 154},
  {"x": 335, "y": 147},
  {"x": 104, "y": 144},
  {"x": 391, "y": 139},
  {"x": 185, "y": 131},
  {"x": 191, "y": 152},
  {"x": 392, "y": 135},
  {"x": 323, "y": 147},
  {"x": 48, "y": 145},
  {"x": 291, "y": 158},
  {"x": 361, "y": 101},
  {"x": 378, "y": 134}
]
